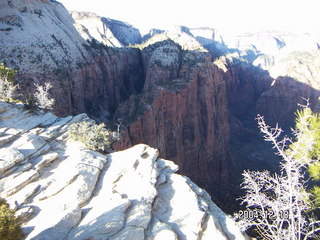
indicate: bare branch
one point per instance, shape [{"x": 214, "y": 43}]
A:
[
  {"x": 7, "y": 88},
  {"x": 44, "y": 101},
  {"x": 280, "y": 199}
]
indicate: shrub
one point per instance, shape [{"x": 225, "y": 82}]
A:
[
  {"x": 44, "y": 101},
  {"x": 30, "y": 102},
  {"x": 314, "y": 167},
  {"x": 7, "y": 72},
  {"x": 9, "y": 226},
  {"x": 94, "y": 136},
  {"x": 7, "y": 86},
  {"x": 7, "y": 89}
]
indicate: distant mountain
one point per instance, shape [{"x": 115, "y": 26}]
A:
[{"x": 104, "y": 30}]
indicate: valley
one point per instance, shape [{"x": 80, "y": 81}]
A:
[{"x": 186, "y": 91}]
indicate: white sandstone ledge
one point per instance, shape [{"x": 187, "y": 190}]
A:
[{"x": 64, "y": 191}]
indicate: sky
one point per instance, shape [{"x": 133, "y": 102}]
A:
[{"x": 224, "y": 15}]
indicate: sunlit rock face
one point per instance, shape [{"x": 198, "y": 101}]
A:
[
  {"x": 296, "y": 81},
  {"x": 272, "y": 43},
  {"x": 183, "y": 112},
  {"x": 186, "y": 91},
  {"x": 104, "y": 30},
  {"x": 89, "y": 77},
  {"x": 61, "y": 190},
  {"x": 39, "y": 39}
]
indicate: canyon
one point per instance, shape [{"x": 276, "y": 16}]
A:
[
  {"x": 60, "y": 189},
  {"x": 188, "y": 92}
]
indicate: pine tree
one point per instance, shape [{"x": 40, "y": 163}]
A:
[
  {"x": 314, "y": 153},
  {"x": 9, "y": 73},
  {"x": 9, "y": 226}
]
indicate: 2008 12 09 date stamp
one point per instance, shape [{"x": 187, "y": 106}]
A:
[{"x": 269, "y": 214}]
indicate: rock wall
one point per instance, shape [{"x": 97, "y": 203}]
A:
[
  {"x": 169, "y": 93},
  {"x": 63, "y": 191},
  {"x": 296, "y": 79},
  {"x": 183, "y": 112},
  {"x": 40, "y": 41},
  {"x": 274, "y": 93},
  {"x": 189, "y": 122},
  {"x": 107, "y": 31}
]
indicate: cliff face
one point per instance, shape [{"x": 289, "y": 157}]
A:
[
  {"x": 245, "y": 84},
  {"x": 296, "y": 78},
  {"x": 186, "y": 117},
  {"x": 187, "y": 92},
  {"x": 38, "y": 38},
  {"x": 97, "y": 87},
  {"x": 275, "y": 93},
  {"x": 185, "y": 96},
  {"x": 63, "y": 191},
  {"x": 107, "y": 31},
  {"x": 280, "y": 68}
]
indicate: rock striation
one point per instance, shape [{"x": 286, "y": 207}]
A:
[
  {"x": 107, "y": 31},
  {"x": 100, "y": 80},
  {"x": 40, "y": 40},
  {"x": 186, "y": 91},
  {"x": 61, "y": 190},
  {"x": 182, "y": 112}
]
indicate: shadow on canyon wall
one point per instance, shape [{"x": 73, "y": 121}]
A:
[
  {"x": 197, "y": 108},
  {"x": 255, "y": 92},
  {"x": 202, "y": 117}
]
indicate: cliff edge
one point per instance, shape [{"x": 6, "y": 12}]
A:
[{"x": 62, "y": 190}]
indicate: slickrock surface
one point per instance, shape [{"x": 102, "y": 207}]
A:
[
  {"x": 64, "y": 191},
  {"x": 41, "y": 41}
]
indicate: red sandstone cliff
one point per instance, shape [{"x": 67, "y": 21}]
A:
[
  {"x": 39, "y": 39},
  {"x": 169, "y": 95},
  {"x": 183, "y": 113},
  {"x": 296, "y": 78}
]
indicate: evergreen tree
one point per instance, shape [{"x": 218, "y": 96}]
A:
[
  {"x": 9, "y": 73},
  {"x": 314, "y": 154},
  {"x": 9, "y": 226}
]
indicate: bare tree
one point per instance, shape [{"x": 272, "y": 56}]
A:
[
  {"x": 116, "y": 134},
  {"x": 7, "y": 88},
  {"x": 44, "y": 101},
  {"x": 277, "y": 204}
]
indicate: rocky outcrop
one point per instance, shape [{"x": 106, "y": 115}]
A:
[
  {"x": 178, "y": 34},
  {"x": 296, "y": 78},
  {"x": 38, "y": 38},
  {"x": 183, "y": 112},
  {"x": 182, "y": 91},
  {"x": 274, "y": 93},
  {"x": 152, "y": 32},
  {"x": 96, "y": 79},
  {"x": 63, "y": 191},
  {"x": 107, "y": 31},
  {"x": 211, "y": 39}
]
